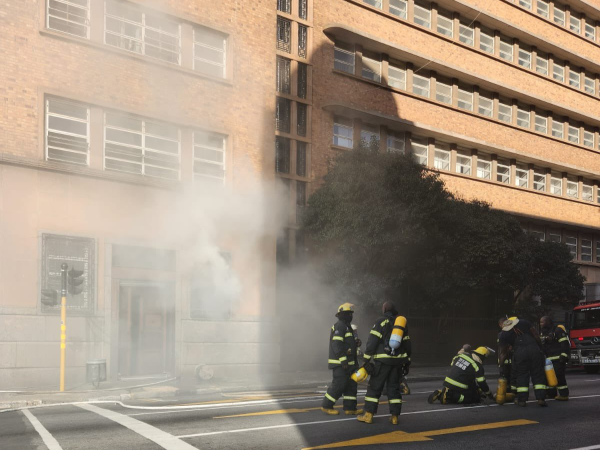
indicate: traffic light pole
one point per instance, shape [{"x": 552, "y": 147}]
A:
[{"x": 63, "y": 324}]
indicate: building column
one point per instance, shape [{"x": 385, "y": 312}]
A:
[
  {"x": 474, "y": 163},
  {"x": 530, "y": 178},
  {"x": 513, "y": 172},
  {"x": 430, "y": 152},
  {"x": 548, "y": 179},
  {"x": 453, "y": 148},
  {"x": 494, "y": 167}
]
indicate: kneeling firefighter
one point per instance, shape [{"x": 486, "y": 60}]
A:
[
  {"x": 342, "y": 360},
  {"x": 385, "y": 364},
  {"x": 466, "y": 382}
]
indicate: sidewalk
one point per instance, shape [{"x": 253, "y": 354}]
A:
[{"x": 130, "y": 390}]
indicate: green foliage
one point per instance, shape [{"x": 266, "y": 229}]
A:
[{"x": 387, "y": 225}]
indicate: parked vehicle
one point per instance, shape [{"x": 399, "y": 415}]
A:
[{"x": 584, "y": 334}]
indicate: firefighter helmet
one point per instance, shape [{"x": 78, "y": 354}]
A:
[
  {"x": 562, "y": 327},
  {"x": 510, "y": 324},
  {"x": 484, "y": 351},
  {"x": 346, "y": 307}
]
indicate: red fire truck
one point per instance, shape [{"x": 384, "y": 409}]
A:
[{"x": 584, "y": 333}]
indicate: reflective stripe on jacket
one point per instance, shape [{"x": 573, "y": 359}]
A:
[
  {"x": 342, "y": 346},
  {"x": 378, "y": 337}
]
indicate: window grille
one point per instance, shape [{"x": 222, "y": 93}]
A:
[
  {"x": 558, "y": 129},
  {"x": 571, "y": 242},
  {"x": 465, "y": 99},
  {"x": 524, "y": 58},
  {"x": 398, "y": 8},
  {"x": 284, "y": 6},
  {"x": 443, "y": 92},
  {"x": 67, "y": 132},
  {"x": 553, "y": 237},
  {"x": 506, "y": 50},
  {"x": 300, "y": 200},
  {"x": 556, "y": 184},
  {"x": 441, "y": 157},
  {"x": 572, "y": 188},
  {"x": 420, "y": 149},
  {"x": 282, "y": 154},
  {"x": 541, "y": 124},
  {"x": 574, "y": 134},
  {"x": 420, "y": 85},
  {"x": 283, "y": 115},
  {"x": 69, "y": 16},
  {"x": 302, "y": 41},
  {"x": 140, "y": 146},
  {"x": 486, "y": 41},
  {"x": 558, "y": 72},
  {"x": 541, "y": 64},
  {"x": 343, "y": 132},
  {"x": 505, "y": 112},
  {"x": 525, "y": 3},
  {"x": 523, "y": 118},
  {"x": 539, "y": 181},
  {"x": 559, "y": 16},
  {"x": 588, "y": 139},
  {"x": 302, "y": 110},
  {"x": 466, "y": 33},
  {"x": 344, "y": 57},
  {"x": 371, "y": 66},
  {"x": 422, "y": 14},
  {"x": 301, "y": 158},
  {"x": 303, "y": 9},
  {"x": 210, "y": 52},
  {"x": 574, "y": 79},
  {"x": 486, "y": 106},
  {"x": 522, "y": 176},
  {"x": 590, "y": 31},
  {"x": 283, "y": 75},
  {"x": 375, "y": 3},
  {"x": 302, "y": 80},
  {"x": 543, "y": 8},
  {"x": 284, "y": 35},
  {"x": 369, "y": 135},
  {"x": 209, "y": 155},
  {"x": 484, "y": 168},
  {"x": 575, "y": 23},
  {"x": 590, "y": 85},
  {"x": 445, "y": 24},
  {"x": 464, "y": 162},
  {"x": 503, "y": 172},
  {"x": 586, "y": 250},
  {"x": 397, "y": 75},
  {"x": 587, "y": 192},
  {"x": 395, "y": 142}
]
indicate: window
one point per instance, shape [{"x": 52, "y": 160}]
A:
[
  {"x": 589, "y": 85},
  {"x": 541, "y": 64},
  {"x": 284, "y": 6},
  {"x": 523, "y": 117},
  {"x": 283, "y": 114},
  {"x": 525, "y": 3},
  {"x": 464, "y": 162},
  {"x": 284, "y": 35},
  {"x": 486, "y": 106},
  {"x": 441, "y": 156},
  {"x": 69, "y": 16},
  {"x": 301, "y": 158},
  {"x": 558, "y": 71},
  {"x": 140, "y": 146},
  {"x": 539, "y": 180},
  {"x": 209, "y": 155},
  {"x": 574, "y": 23},
  {"x": 375, "y": 3},
  {"x": 587, "y": 192},
  {"x": 559, "y": 15},
  {"x": 342, "y": 132},
  {"x": 300, "y": 200},
  {"x": 420, "y": 85},
  {"x": 590, "y": 31},
  {"x": 524, "y": 57},
  {"x": 586, "y": 250},
  {"x": 208, "y": 298},
  {"x": 543, "y": 8},
  {"x": 522, "y": 176},
  {"x": 554, "y": 237},
  {"x": 443, "y": 92},
  {"x": 302, "y": 117},
  {"x": 303, "y": 9},
  {"x": 422, "y": 14},
  {"x": 419, "y": 148},
  {"x": 302, "y": 80},
  {"x": 398, "y": 8},
  {"x": 67, "y": 132},
  {"x": 445, "y": 23},
  {"x": 369, "y": 135},
  {"x": 588, "y": 139},
  {"x": 466, "y": 33},
  {"x": 556, "y": 184},
  {"x": 541, "y": 123},
  {"x": 558, "y": 129},
  {"x": 571, "y": 242},
  {"x": 538, "y": 233},
  {"x": 80, "y": 254},
  {"x": 134, "y": 30},
  {"x": 506, "y": 49},
  {"x": 283, "y": 75},
  {"x": 505, "y": 112},
  {"x": 302, "y": 40},
  {"x": 282, "y": 154},
  {"x": 572, "y": 187},
  {"x": 574, "y": 79},
  {"x": 344, "y": 57},
  {"x": 397, "y": 75},
  {"x": 465, "y": 99},
  {"x": 486, "y": 41},
  {"x": 395, "y": 142},
  {"x": 210, "y": 52},
  {"x": 503, "y": 171},
  {"x": 484, "y": 167},
  {"x": 371, "y": 68},
  {"x": 574, "y": 134}
]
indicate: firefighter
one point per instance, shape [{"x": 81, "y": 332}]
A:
[
  {"x": 385, "y": 366},
  {"x": 511, "y": 382},
  {"x": 528, "y": 359},
  {"x": 556, "y": 347},
  {"x": 466, "y": 382},
  {"x": 342, "y": 360}
]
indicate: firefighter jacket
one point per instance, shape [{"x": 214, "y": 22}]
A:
[
  {"x": 555, "y": 343},
  {"x": 466, "y": 374},
  {"x": 509, "y": 355},
  {"x": 377, "y": 343},
  {"x": 342, "y": 345}
]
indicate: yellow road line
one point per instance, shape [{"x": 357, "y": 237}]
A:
[
  {"x": 397, "y": 437},
  {"x": 245, "y": 399}
]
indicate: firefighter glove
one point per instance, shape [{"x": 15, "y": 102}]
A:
[
  {"x": 358, "y": 342},
  {"x": 405, "y": 369},
  {"x": 345, "y": 365},
  {"x": 369, "y": 367}
]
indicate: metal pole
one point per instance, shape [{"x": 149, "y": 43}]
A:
[{"x": 63, "y": 325}]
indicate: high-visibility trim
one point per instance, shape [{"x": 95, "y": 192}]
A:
[
  {"x": 466, "y": 358},
  {"x": 372, "y": 399},
  {"x": 365, "y": 356},
  {"x": 461, "y": 398},
  {"x": 349, "y": 397},
  {"x": 406, "y": 338},
  {"x": 333, "y": 361},
  {"x": 348, "y": 335},
  {"x": 507, "y": 361},
  {"x": 386, "y": 356},
  {"x": 337, "y": 338},
  {"x": 394, "y": 401},
  {"x": 384, "y": 323},
  {"x": 523, "y": 389},
  {"x": 456, "y": 383},
  {"x": 550, "y": 387},
  {"x": 329, "y": 397},
  {"x": 343, "y": 358},
  {"x": 351, "y": 363},
  {"x": 564, "y": 354},
  {"x": 539, "y": 386},
  {"x": 563, "y": 339},
  {"x": 480, "y": 379},
  {"x": 562, "y": 387},
  {"x": 553, "y": 358},
  {"x": 513, "y": 388},
  {"x": 376, "y": 333}
]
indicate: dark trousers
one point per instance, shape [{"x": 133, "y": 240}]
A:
[
  {"x": 341, "y": 384},
  {"x": 528, "y": 362},
  {"x": 464, "y": 397},
  {"x": 511, "y": 379},
  {"x": 384, "y": 375},
  {"x": 563, "y": 389}
]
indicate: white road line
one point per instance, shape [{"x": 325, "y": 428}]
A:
[
  {"x": 48, "y": 439},
  {"x": 165, "y": 440},
  {"x": 593, "y": 447}
]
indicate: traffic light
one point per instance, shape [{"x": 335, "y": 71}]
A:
[
  {"x": 49, "y": 297},
  {"x": 75, "y": 280}
]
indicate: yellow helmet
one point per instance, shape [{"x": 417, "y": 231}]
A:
[
  {"x": 346, "y": 307},
  {"x": 484, "y": 351},
  {"x": 562, "y": 327},
  {"x": 513, "y": 318}
]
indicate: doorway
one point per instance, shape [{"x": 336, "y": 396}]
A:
[{"x": 146, "y": 328}]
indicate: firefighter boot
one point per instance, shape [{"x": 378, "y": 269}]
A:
[
  {"x": 366, "y": 418},
  {"x": 542, "y": 403},
  {"x": 330, "y": 411},
  {"x": 394, "y": 420},
  {"x": 434, "y": 396},
  {"x": 510, "y": 396},
  {"x": 353, "y": 412},
  {"x": 560, "y": 398}
]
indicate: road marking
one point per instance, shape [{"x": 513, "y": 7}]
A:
[
  {"x": 48, "y": 439},
  {"x": 593, "y": 447},
  {"x": 283, "y": 411},
  {"x": 165, "y": 440},
  {"x": 397, "y": 437}
]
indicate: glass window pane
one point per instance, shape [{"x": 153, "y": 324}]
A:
[
  {"x": 422, "y": 14},
  {"x": 505, "y": 112},
  {"x": 541, "y": 124},
  {"x": 397, "y": 76},
  {"x": 465, "y": 99},
  {"x": 466, "y": 33},
  {"x": 486, "y": 106},
  {"x": 525, "y": 58},
  {"x": 443, "y": 92},
  {"x": 398, "y": 8},
  {"x": 486, "y": 42},
  {"x": 445, "y": 24},
  {"x": 506, "y": 50},
  {"x": 421, "y": 85}
]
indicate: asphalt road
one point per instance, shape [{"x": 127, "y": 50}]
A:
[{"x": 292, "y": 420}]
